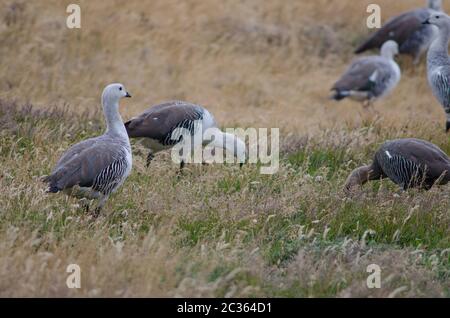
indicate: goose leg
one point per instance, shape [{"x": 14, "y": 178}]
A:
[
  {"x": 150, "y": 158},
  {"x": 100, "y": 205},
  {"x": 182, "y": 164},
  {"x": 367, "y": 104},
  {"x": 96, "y": 212},
  {"x": 85, "y": 205},
  {"x": 416, "y": 58},
  {"x": 447, "y": 124},
  {"x": 179, "y": 173}
]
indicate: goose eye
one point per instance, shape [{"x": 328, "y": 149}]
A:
[
  {"x": 120, "y": 88},
  {"x": 437, "y": 17}
]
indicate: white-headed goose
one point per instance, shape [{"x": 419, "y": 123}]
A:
[
  {"x": 438, "y": 62},
  {"x": 156, "y": 127},
  {"x": 96, "y": 167},
  {"x": 371, "y": 77}
]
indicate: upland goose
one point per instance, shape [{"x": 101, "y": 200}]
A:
[
  {"x": 159, "y": 128},
  {"x": 407, "y": 162},
  {"x": 371, "y": 77},
  {"x": 407, "y": 30},
  {"x": 96, "y": 167},
  {"x": 438, "y": 63}
]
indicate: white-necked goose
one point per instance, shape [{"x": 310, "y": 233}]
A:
[
  {"x": 156, "y": 127},
  {"x": 371, "y": 77},
  {"x": 438, "y": 62},
  {"x": 96, "y": 167}
]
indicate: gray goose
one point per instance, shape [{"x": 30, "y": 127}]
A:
[
  {"x": 157, "y": 127},
  {"x": 371, "y": 77},
  {"x": 407, "y": 162},
  {"x": 438, "y": 63},
  {"x": 96, "y": 167},
  {"x": 407, "y": 30}
]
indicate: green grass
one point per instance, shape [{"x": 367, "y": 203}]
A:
[
  {"x": 315, "y": 159},
  {"x": 285, "y": 235}
]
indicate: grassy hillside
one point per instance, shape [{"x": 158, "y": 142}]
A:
[{"x": 217, "y": 230}]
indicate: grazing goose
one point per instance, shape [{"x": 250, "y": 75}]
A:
[
  {"x": 370, "y": 77},
  {"x": 438, "y": 63},
  {"x": 158, "y": 125},
  {"x": 407, "y": 30},
  {"x": 96, "y": 167},
  {"x": 407, "y": 162}
]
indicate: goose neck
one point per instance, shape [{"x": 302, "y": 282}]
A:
[
  {"x": 222, "y": 140},
  {"x": 438, "y": 52},
  {"x": 388, "y": 55},
  {"x": 230, "y": 143},
  {"x": 114, "y": 122}
]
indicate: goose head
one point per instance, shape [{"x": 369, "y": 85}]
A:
[
  {"x": 114, "y": 92},
  {"x": 439, "y": 19},
  {"x": 389, "y": 49},
  {"x": 435, "y": 5}
]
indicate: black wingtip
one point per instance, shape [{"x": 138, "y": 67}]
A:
[
  {"x": 447, "y": 127},
  {"x": 337, "y": 96},
  {"x": 369, "y": 45}
]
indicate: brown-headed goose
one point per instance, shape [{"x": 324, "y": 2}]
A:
[
  {"x": 158, "y": 128},
  {"x": 96, "y": 167},
  {"x": 371, "y": 77},
  {"x": 407, "y": 30},
  {"x": 407, "y": 162}
]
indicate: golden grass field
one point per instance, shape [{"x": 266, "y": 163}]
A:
[{"x": 218, "y": 231}]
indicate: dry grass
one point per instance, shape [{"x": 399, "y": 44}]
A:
[{"x": 219, "y": 230}]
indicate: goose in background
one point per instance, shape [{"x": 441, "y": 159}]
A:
[
  {"x": 157, "y": 128},
  {"x": 407, "y": 30},
  {"x": 96, "y": 167},
  {"x": 438, "y": 62},
  {"x": 407, "y": 162},
  {"x": 371, "y": 77}
]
